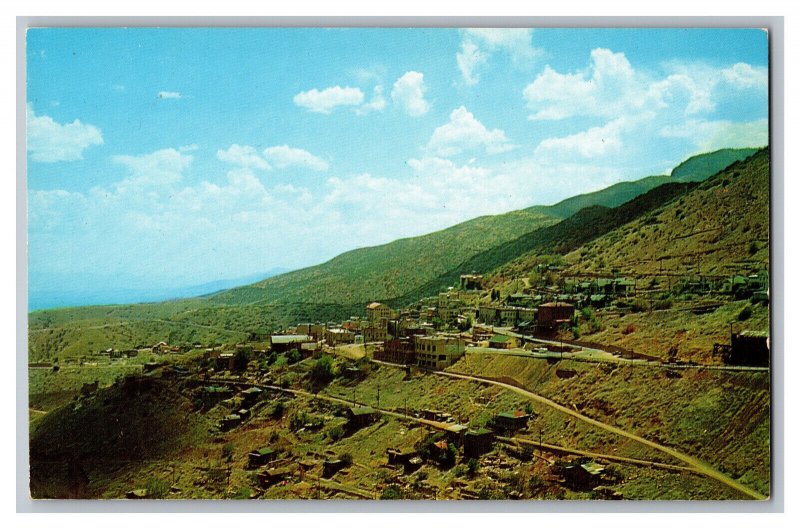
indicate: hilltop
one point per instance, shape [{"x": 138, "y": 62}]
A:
[{"x": 694, "y": 169}]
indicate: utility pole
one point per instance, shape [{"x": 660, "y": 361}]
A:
[{"x": 379, "y": 395}]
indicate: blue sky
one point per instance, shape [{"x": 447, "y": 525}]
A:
[{"x": 170, "y": 157}]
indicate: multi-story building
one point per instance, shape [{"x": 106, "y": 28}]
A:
[
  {"x": 438, "y": 351},
  {"x": 337, "y": 335}
]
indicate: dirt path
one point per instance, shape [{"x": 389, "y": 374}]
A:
[
  {"x": 445, "y": 426},
  {"x": 596, "y": 455},
  {"x": 700, "y": 466}
]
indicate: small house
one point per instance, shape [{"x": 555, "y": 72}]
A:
[
  {"x": 273, "y": 476},
  {"x": 224, "y": 362},
  {"x": 211, "y": 395},
  {"x": 551, "y": 315},
  {"x": 260, "y": 457},
  {"x": 332, "y": 466},
  {"x": 435, "y": 415},
  {"x": 360, "y": 416},
  {"x": 251, "y": 395},
  {"x": 455, "y": 433},
  {"x": 478, "y": 442},
  {"x": 501, "y": 341},
  {"x": 749, "y": 348},
  {"x": 230, "y": 421},
  {"x": 583, "y": 475},
  {"x": 400, "y": 457},
  {"x": 511, "y": 421}
]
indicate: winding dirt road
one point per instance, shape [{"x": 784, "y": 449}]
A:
[{"x": 700, "y": 466}]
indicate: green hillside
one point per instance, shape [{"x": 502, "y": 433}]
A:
[
  {"x": 391, "y": 270},
  {"x": 717, "y": 229},
  {"x": 694, "y": 169},
  {"x": 721, "y": 225},
  {"x": 508, "y": 258}
]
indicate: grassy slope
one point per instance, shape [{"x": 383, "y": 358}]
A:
[
  {"x": 392, "y": 270},
  {"x": 703, "y": 414},
  {"x": 725, "y": 222},
  {"x": 124, "y": 426},
  {"x": 722, "y": 418},
  {"x": 694, "y": 169}
]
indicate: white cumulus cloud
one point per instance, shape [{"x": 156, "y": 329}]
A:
[
  {"x": 324, "y": 101},
  {"x": 282, "y": 156},
  {"x": 164, "y": 166},
  {"x": 464, "y": 132},
  {"x": 720, "y": 134},
  {"x": 605, "y": 88},
  {"x": 376, "y": 104},
  {"x": 409, "y": 93},
  {"x": 49, "y": 141},
  {"x": 478, "y": 44},
  {"x": 243, "y": 156},
  {"x": 591, "y": 143},
  {"x": 743, "y": 75}
]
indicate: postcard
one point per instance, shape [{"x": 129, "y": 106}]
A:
[{"x": 355, "y": 263}]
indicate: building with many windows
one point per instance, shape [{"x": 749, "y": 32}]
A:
[{"x": 438, "y": 351}]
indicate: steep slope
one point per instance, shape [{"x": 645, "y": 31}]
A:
[
  {"x": 77, "y": 448},
  {"x": 694, "y": 169},
  {"x": 716, "y": 229},
  {"x": 719, "y": 228},
  {"x": 586, "y": 225}
]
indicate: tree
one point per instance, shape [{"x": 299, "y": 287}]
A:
[
  {"x": 322, "y": 372},
  {"x": 227, "y": 452},
  {"x": 448, "y": 457},
  {"x": 293, "y": 356},
  {"x": 392, "y": 492},
  {"x": 241, "y": 359}
]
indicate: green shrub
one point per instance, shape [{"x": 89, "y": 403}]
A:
[
  {"x": 277, "y": 410},
  {"x": 745, "y": 314},
  {"x": 227, "y": 451},
  {"x": 156, "y": 488},
  {"x": 298, "y": 420},
  {"x": 241, "y": 359},
  {"x": 243, "y": 494},
  {"x": 293, "y": 356},
  {"x": 662, "y": 304},
  {"x": 336, "y": 433},
  {"x": 392, "y": 492},
  {"x": 322, "y": 372}
]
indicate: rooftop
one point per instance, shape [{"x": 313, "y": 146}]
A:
[{"x": 290, "y": 338}]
